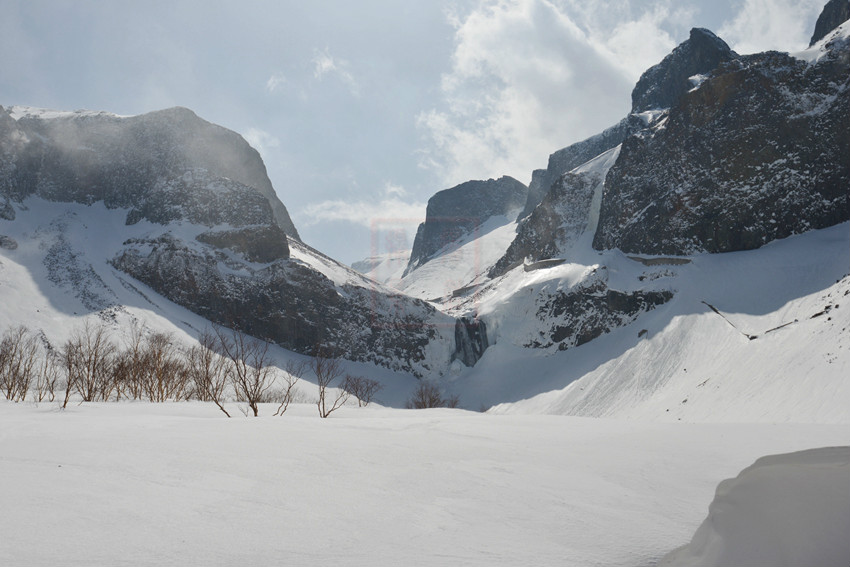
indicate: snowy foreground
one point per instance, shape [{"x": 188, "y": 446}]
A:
[{"x": 180, "y": 484}]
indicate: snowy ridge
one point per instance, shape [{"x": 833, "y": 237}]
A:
[{"x": 18, "y": 112}]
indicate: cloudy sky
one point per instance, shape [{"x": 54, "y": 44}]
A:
[{"x": 362, "y": 110}]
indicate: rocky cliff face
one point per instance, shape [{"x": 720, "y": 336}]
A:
[
  {"x": 662, "y": 85},
  {"x": 163, "y": 166},
  {"x": 456, "y": 212},
  {"x": 835, "y": 13},
  {"x": 575, "y": 317},
  {"x": 760, "y": 151},
  {"x": 290, "y": 303},
  {"x": 658, "y": 88}
]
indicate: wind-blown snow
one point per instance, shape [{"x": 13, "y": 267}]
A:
[{"x": 791, "y": 509}]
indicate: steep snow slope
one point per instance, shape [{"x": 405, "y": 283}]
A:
[
  {"x": 760, "y": 335},
  {"x": 57, "y": 273},
  {"x": 461, "y": 263}
]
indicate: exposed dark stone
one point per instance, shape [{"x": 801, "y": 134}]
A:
[
  {"x": 7, "y": 212},
  {"x": 835, "y": 13},
  {"x": 662, "y": 85},
  {"x": 659, "y": 87},
  {"x": 258, "y": 244},
  {"x": 589, "y": 311},
  {"x": 470, "y": 340},
  {"x": 8, "y": 243},
  {"x": 760, "y": 151},
  {"x": 554, "y": 225},
  {"x": 456, "y": 212}
]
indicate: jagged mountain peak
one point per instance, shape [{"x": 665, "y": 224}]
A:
[
  {"x": 835, "y": 13},
  {"x": 663, "y": 84}
]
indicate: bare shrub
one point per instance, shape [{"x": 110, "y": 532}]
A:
[
  {"x": 88, "y": 359},
  {"x": 207, "y": 370},
  {"x": 293, "y": 371},
  {"x": 327, "y": 368},
  {"x": 362, "y": 388},
  {"x": 164, "y": 376},
  {"x": 428, "y": 395},
  {"x": 47, "y": 380},
  {"x": 130, "y": 367},
  {"x": 250, "y": 370},
  {"x": 18, "y": 362}
]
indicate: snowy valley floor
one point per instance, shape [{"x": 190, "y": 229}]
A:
[{"x": 180, "y": 484}]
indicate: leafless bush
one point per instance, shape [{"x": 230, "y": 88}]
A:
[
  {"x": 292, "y": 374},
  {"x": 18, "y": 362},
  {"x": 47, "y": 380},
  {"x": 130, "y": 367},
  {"x": 327, "y": 369},
  {"x": 250, "y": 370},
  {"x": 428, "y": 395},
  {"x": 164, "y": 376},
  {"x": 208, "y": 371},
  {"x": 362, "y": 388},
  {"x": 88, "y": 359}
]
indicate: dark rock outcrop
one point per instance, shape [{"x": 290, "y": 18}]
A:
[
  {"x": 555, "y": 223},
  {"x": 8, "y": 243},
  {"x": 470, "y": 340},
  {"x": 163, "y": 165},
  {"x": 456, "y": 212},
  {"x": 288, "y": 303},
  {"x": 760, "y": 151},
  {"x": 662, "y": 85},
  {"x": 835, "y": 13},
  {"x": 579, "y": 315},
  {"x": 261, "y": 244}
]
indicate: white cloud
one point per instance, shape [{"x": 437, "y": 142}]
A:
[
  {"x": 393, "y": 190},
  {"x": 391, "y": 210},
  {"x": 784, "y": 25},
  {"x": 325, "y": 64},
  {"x": 531, "y": 76},
  {"x": 261, "y": 141},
  {"x": 274, "y": 82}
]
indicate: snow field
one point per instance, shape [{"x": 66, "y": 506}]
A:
[{"x": 180, "y": 484}]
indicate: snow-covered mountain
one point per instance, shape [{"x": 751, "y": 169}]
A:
[
  {"x": 185, "y": 208},
  {"x": 719, "y": 155},
  {"x": 716, "y": 205}
]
